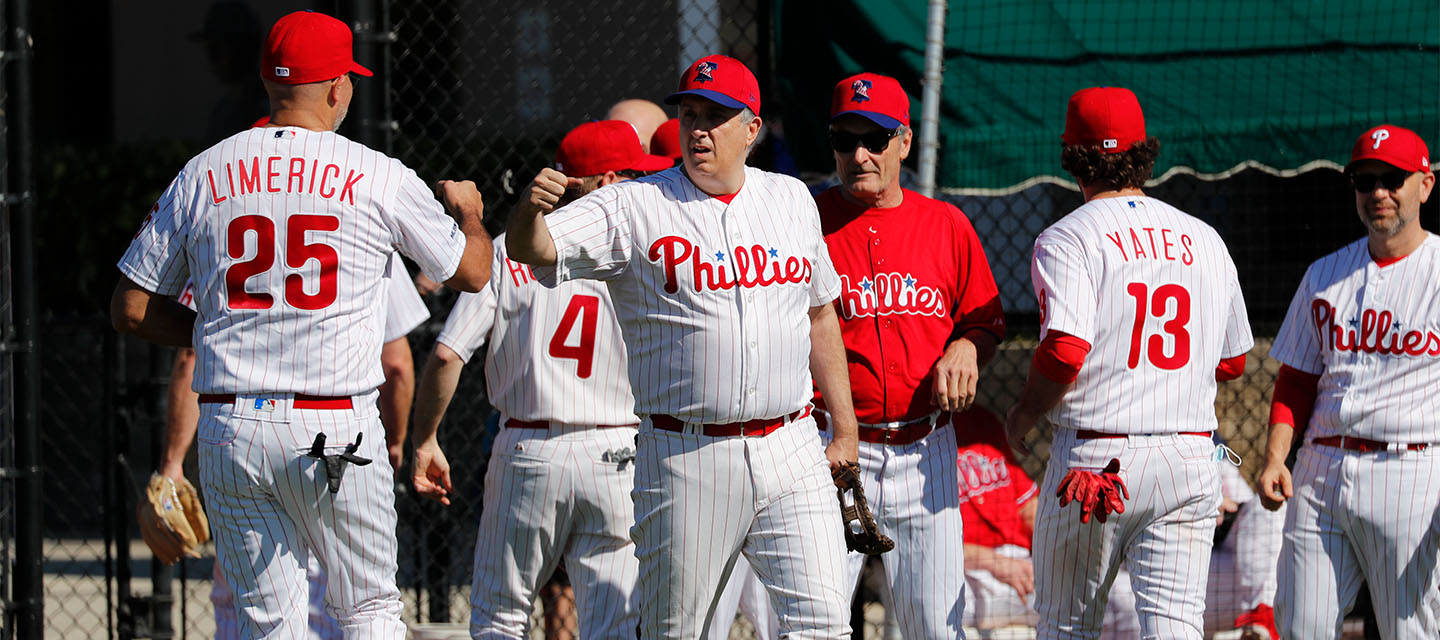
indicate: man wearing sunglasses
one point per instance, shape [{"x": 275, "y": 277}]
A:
[
  {"x": 920, "y": 316},
  {"x": 1361, "y": 353}
]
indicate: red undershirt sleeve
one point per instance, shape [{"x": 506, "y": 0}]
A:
[
  {"x": 1294, "y": 397},
  {"x": 1230, "y": 368},
  {"x": 1059, "y": 356}
]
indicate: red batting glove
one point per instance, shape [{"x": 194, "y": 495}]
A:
[
  {"x": 1099, "y": 494},
  {"x": 1253, "y": 622},
  {"x": 1110, "y": 481}
]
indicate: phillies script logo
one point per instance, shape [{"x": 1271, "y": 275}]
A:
[
  {"x": 981, "y": 474},
  {"x": 753, "y": 266},
  {"x": 1371, "y": 332},
  {"x": 890, "y": 294}
]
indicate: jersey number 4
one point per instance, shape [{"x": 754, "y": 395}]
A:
[
  {"x": 297, "y": 253},
  {"x": 586, "y": 310},
  {"x": 1158, "y": 305}
]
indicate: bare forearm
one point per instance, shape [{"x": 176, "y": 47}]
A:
[
  {"x": 434, "y": 393},
  {"x": 527, "y": 237},
  {"x": 985, "y": 345},
  {"x": 398, "y": 392},
  {"x": 150, "y": 316},
  {"x": 182, "y": 414},
  {"x": 831, "y": 373},
  {"x": 1277, "y": 445},
  {"x": 1040, "y": 395},
  {"x": 979, "y": 558}
]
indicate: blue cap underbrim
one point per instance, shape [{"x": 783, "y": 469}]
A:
[
  {"x": 878, "y": 118},
  {"x": 708, "y": 94}
]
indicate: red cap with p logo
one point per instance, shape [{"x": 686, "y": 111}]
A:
[{"x": 1397, "y": 146}]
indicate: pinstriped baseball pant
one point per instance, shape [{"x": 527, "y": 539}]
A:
[
  {"x": 701, "y": 501},
  {"x": 270, "y": 509},
  {"x": 1372, "y": 517},
  {"x": 1164, "y": 537},
  {"x": 553, "y": 493}
]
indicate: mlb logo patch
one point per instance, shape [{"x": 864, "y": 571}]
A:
[
  {"x": 1110, "y": 143},
  {"x": 282, "y": 72},
  {"x": 264, "y": 404},
  {"x": 703, "y": 71}
]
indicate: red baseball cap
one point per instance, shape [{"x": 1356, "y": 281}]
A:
[
  {"x": 721, "y": 79},
  {"x": 593, "y": 148},
  {"x": 666, "y": 141},
  {"x": 878, "y": 98},
  {"x": 306, "y": 47},
  {"x": 1107, "y": 117},
  {"x": 1397, "y": 146}
]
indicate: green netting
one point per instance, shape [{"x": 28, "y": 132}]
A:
[{"x": 1224, "y": 83}]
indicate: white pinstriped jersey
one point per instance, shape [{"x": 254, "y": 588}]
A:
[
  {"x": 286, "y": 233},
  {"x": 1372, "y": 334},
  {"x": 713, "y": 299},
  {"x": 1155, "y": 293},
  {"x": 404, "y": 310},
  {"x": 555, "y": 354}
]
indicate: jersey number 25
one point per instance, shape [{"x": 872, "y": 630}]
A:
[{"x": 297, "y": 253}]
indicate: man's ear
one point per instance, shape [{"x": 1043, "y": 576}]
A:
[{"x": 609, "y": 177}]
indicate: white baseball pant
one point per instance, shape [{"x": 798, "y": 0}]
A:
[
  {"x": 1164, "y": 537},
  {"x": 701, "y": 501},
  {"x": 227, "y": 625},
  {"x": 553, "y": 493},
  {"x": 1371, "y": 517},
  {"x": 270, "y": 508}
]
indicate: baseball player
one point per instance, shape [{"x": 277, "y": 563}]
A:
[
  {"x": 1145, "y": 297},
  {"x": 404, "y": 312},
  {"x": 286, "y": 232},
  {"x": 919, "y": 315},
  {"x": 1361, "y": 353},
  {"x": 559, "y": 480},
  {"x": 998, "y": 502},
  {"x": 721, "y": 284}
]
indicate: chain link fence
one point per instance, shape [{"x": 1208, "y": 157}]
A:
[{"x": 483, "y": 90}]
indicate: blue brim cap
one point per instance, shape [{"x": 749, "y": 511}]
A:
[
  {"x": 708, "y": 94},
  {"x": 881, "y": 119}
]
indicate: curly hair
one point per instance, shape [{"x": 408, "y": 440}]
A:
[{"x": 1127, "y": 169}]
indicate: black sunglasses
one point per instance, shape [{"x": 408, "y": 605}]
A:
[
  {"x": 1365, "y": 182},
  {"x": 875, "y": 141}
]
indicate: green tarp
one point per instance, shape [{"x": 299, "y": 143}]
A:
[{"x": 1224, "y": 83}]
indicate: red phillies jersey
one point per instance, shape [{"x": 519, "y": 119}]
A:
[
  {"x": 993, "y": 486},
  {"x": 911, "y": 277}
]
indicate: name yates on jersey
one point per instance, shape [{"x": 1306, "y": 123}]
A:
[
  {"x": 1371, "y": 331},
  {"x": 890, "y": 294},
  {"x": 298, "y": 175},
  {"x": 1171, "y": 246},
  {"x": 749, "y": 267}
]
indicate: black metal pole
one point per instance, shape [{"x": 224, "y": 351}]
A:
[
  {"x": 372, "y": 44},
  {"x": 29, "y": 586},
  {"x": 162, "y": 576}
]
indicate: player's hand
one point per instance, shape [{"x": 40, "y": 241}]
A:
[
  {"x": 431, "y": 474},
  {"x": 956, "y": 373},
  {"x": 1019, "y": 573},
  {"x": 1019, "y": 424},
  {"x": 461, "y": 199},
  {"x": 840, "y": 451},
  {"x": 1227, "y": 506},
  {"x": 546, "y": 190},
  {"x": 1275, "y": 486}
]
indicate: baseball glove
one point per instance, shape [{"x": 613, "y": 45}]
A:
[
  {"x": 171, "y": 519},
  {"x": 866, "y": 537},
  {"x": 1099, "y": 493}
]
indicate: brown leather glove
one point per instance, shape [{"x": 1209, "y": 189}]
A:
[
  {"x": 172, "y": 521},
  {"x": 862, "y": 533}
]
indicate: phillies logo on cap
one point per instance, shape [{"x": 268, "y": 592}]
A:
[
  {"x": 703, "y": 70},
  {"x": 861, "y": 89},
  {"x": 1379, "y": 136}
]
